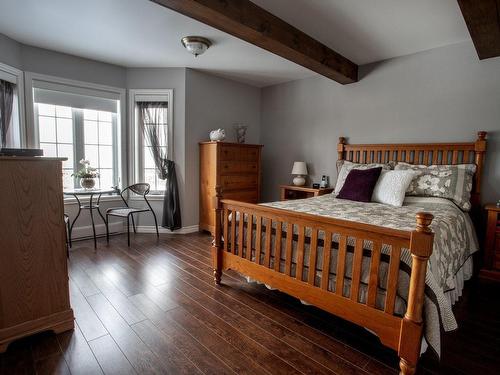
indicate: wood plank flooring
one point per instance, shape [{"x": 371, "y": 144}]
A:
[{"x": 153, "y": 309}]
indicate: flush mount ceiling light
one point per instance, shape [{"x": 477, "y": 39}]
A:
[{"x": 197, "y": 45}]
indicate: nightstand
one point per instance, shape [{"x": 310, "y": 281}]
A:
[
  {"x": 289, "y": 192},
  {"x": 491, "y": 266}
]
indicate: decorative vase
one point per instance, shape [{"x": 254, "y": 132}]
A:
[
  {"x": 218, "y": 135},
  {"x": 241, "y": 131},
  {"x": 87, "y": 183}
]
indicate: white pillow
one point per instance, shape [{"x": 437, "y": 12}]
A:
[
  {"x": 347, "y": 166},
  {"x": 391, "y": 187}
]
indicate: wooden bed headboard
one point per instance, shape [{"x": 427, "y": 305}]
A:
[{"x": 421, "y": 153}]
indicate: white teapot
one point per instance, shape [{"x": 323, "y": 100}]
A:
[{"x": 218, "y": 135}]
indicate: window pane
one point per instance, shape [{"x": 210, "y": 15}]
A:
[
  {"x": 65, "y": 112},
  {"x": 148, "y": 158},
  {"x": 49, "y": 149},
  {"x": 90, "y": 132},
  {"x": 47, "y": 129},
  {"x": 66, "y": 151},
  {"x": 68, "y": 181},
  {"x": 64, "y": 130},
  {"x": 160, "y": 184},
  {"x": 105, "y": 156},
  {"x": 92, "y": 155},
  {"x": 46, "y": 109},
  {"x": 105, "y": 116},
  {"x": 89, "y": 114},
  {"x": 149, "y": 177},
  {"x": 106, "y": 178},
  {"x": 105, "y": 133}
]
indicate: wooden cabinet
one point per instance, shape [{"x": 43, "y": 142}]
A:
[
  {"x": 491, "y": 266},
  {"x": 34, "y": 293},
  {"x": 288, "y": 192},
  {"x": 235, "y": 168}
]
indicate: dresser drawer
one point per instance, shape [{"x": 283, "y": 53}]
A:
[
  {"x": 238, "y": 182},
  {"x": 239, "y": 166},
  {"x": 249, "y": 196},
  {"x": 239, "y": 153}
]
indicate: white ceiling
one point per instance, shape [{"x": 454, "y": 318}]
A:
[{"x": 139, "y": 33}]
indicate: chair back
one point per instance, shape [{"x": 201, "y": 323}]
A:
[{"x": 141, "y": 188}]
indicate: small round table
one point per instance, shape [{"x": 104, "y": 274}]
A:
[{"x": 91, "y": 206}]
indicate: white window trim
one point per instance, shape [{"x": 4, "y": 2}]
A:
[
  {"x": 133, "y": 129},
  {"x": 32, "y": 134},
  {"x": 19, "y": 81}
]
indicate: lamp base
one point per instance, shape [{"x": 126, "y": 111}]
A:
[{"x": 299, "y": 180}]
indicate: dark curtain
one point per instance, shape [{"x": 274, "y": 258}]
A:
[
  {"x": 152, "y": 115},
  {"x": 6, "y": 103}
]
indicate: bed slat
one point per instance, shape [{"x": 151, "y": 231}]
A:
[
  {"x": 392, "y": 279},
  {"x": 258, "y": 238},
  {"x": 373, "y": 279},
  {"x": 313, "y": 251},
  {"x": 356, "y": 269},
  {"x": 241, "y": 226},
  {"x": 267, "y": 256},
  {"x": 300, "y": 253},
  {"x": 226, "y": 231},
  {"x": 289, "y": 238},
  {"x": 327, "y": 249},
  {"x": 277, "y": 246},
  {"x": 249, "y": 236},
  {"x": 339, "y": 288},
  {"x": 233, "y": 232}
]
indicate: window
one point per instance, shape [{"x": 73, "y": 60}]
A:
[
  {"x": 77, "y": 127},
  {"x": 11, "y": 113},
  {"x": 152, "y": 114}
]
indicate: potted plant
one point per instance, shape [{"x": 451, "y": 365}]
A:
[{"x": 87, "y": 175}]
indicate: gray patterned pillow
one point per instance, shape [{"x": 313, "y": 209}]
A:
[
  {"x": 344, "y": 167},
  {"x": 453, "y": 182}
]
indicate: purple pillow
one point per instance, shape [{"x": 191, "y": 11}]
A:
[{"x": 359, "y": 184}]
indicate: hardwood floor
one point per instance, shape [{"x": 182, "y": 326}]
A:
[{"x": 153, "y": 309}]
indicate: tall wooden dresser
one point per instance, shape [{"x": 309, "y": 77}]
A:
[
  {"x": 233, "y": 166},
  {"x": 34, "y": 293}
]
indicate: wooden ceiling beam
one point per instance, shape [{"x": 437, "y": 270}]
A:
[
  {"x": 483, "y": 21},
  {"x": 249, "y": 22}
]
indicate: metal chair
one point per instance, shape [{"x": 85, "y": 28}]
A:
[{"x": 128, "y": 212}]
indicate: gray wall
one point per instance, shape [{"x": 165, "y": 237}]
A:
[
  {"x": 10, "y": 52},
  {"x": 445, "y": 94},
  {"x": 213, "y": 102}
]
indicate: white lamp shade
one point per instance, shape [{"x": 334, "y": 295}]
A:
[{"x": 299, "y": 168}]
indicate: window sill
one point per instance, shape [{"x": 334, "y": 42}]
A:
[{"x": 150, "y": 197}]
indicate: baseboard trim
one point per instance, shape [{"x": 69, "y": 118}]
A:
[
  {"x": 151, "y": 229},
  {"x": 85, "y": 232}
]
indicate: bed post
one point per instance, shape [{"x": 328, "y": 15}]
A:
[
  {"x": 216, "y": 243},
  {"x": 341, "y": 148},
  {"x": 479, "y": 149},
  {"x": 411, "y": 326}
]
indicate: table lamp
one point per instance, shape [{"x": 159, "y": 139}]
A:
[{"x": 299, "y": 170}]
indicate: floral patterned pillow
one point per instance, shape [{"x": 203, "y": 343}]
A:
[{"x": 453, "y": 182}]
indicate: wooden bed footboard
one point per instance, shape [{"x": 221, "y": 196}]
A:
[{"x": 239, "y": 245}]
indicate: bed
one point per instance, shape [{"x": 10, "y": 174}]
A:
[{"x": 344, "y": 258}]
